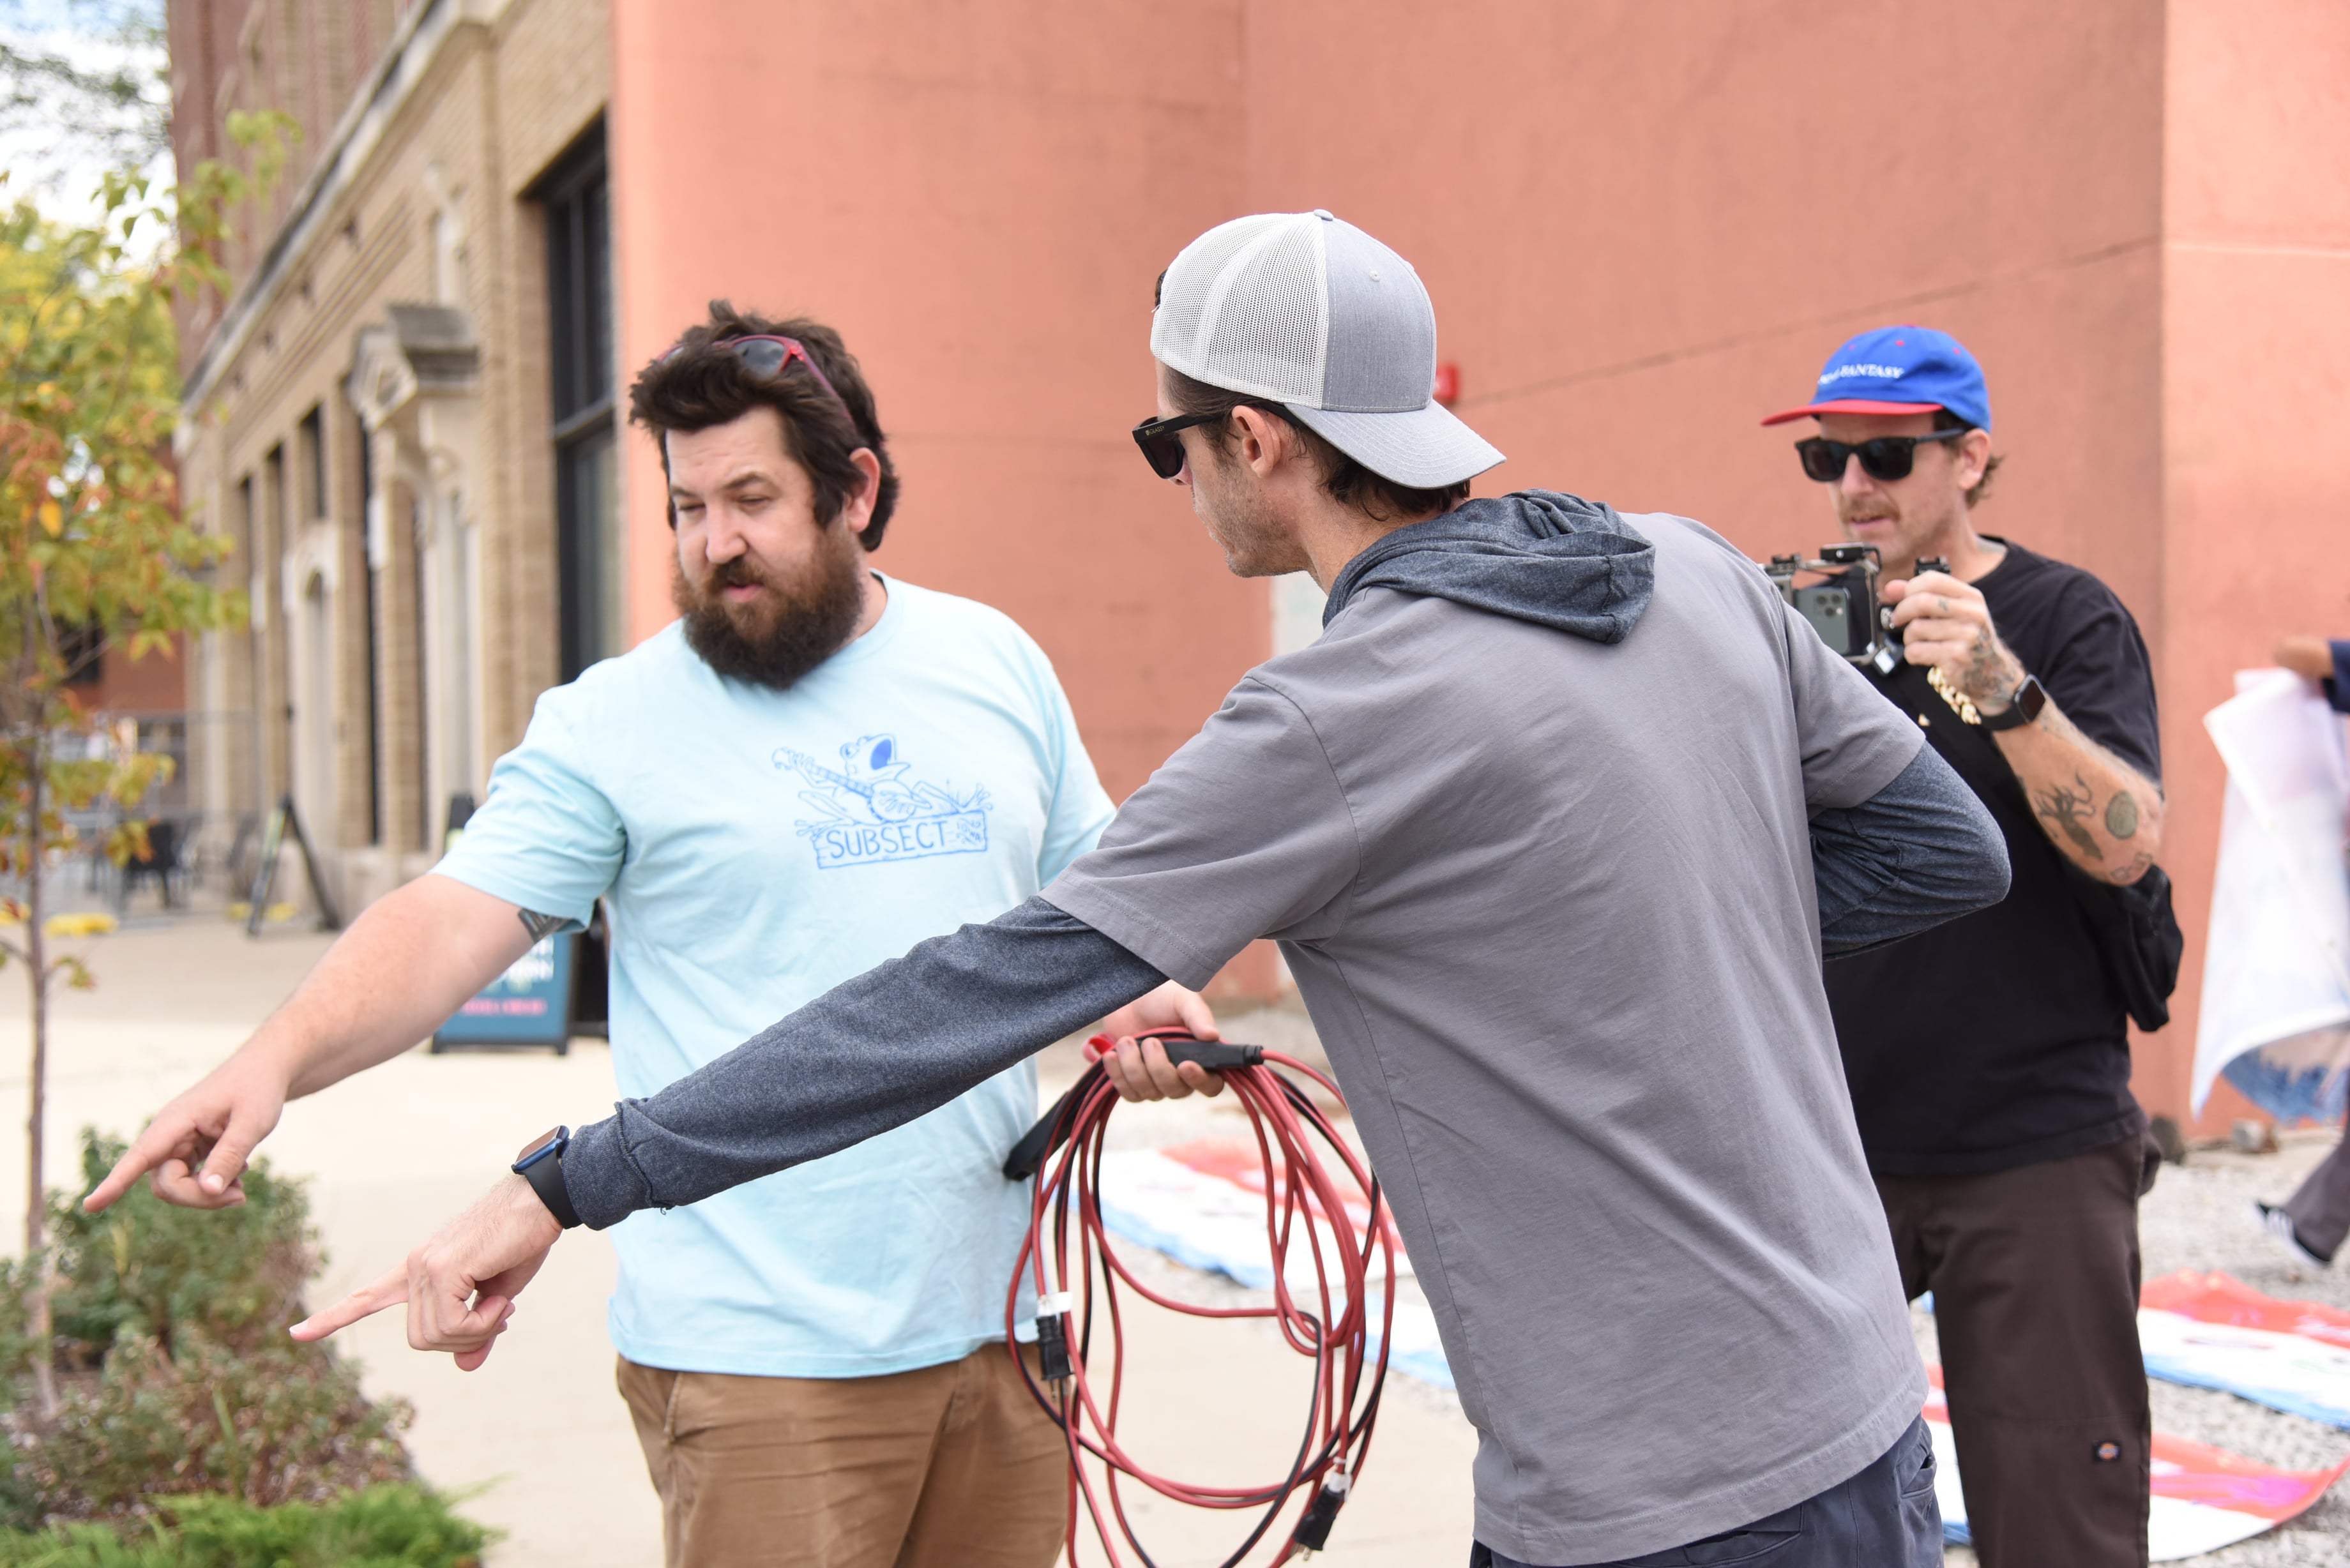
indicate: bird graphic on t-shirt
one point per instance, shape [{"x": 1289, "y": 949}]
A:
[{"x": 868, "y": 785}]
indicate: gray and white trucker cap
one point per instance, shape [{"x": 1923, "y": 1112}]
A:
[{"x": 1306, "y": 311}]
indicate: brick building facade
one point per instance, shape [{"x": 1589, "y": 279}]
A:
[{"x": 402, "y": 415}]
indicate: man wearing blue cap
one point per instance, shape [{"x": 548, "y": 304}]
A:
[{"x": 1989, "y": 1059}]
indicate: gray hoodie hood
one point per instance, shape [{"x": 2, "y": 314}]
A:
[{"x": 1556, "y": 560}]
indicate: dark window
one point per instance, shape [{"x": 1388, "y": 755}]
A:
[
  {"x": 248, "y": 556},
  {"x": 313, "y": 444},
  {"x": 422, "y": 644},
  {"x": 276, "y": 524},
  {"x": 362, "y": 445},
  {"x": 574, "y": 198},
  {"x": 579, "y": 281},
  {"x": 83, "y": 650}
]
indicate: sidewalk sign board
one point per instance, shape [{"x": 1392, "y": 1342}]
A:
[{"x": 530, "y": 1004}]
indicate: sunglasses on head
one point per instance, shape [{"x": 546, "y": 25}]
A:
[
  {"x": 1882, "y": 458},
  {"x": 766, "y": 355},
  {"x": 1160, "y": 449}
]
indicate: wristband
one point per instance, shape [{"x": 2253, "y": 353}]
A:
[
  {"x": 540, "y": 1163},
  {"x": 2030, "y": 698}
]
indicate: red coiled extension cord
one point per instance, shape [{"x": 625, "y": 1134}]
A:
[{"x": 1064, "y": 1150}]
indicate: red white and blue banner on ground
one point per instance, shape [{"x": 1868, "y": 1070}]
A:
[
  {"x": 2204, "y": 1498},
  {"x": 1201, "y": 1204},
  {"x": 2209, "y": 1330}
]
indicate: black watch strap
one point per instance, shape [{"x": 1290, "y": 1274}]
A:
[
  {"x": 541, "y": 1164},
  {"x": 2030, "y": 698}
]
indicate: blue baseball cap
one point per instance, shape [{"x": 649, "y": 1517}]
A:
[{"x": 1900, "y": 370}]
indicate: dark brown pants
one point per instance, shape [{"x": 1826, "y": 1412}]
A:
[
  {"x": 2035, "y": 1275},
  {"x": 948, "y": 1467}
]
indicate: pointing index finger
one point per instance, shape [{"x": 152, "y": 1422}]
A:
[
  {"x": 389, "y": 1291},
  {"x": 148, "y": 1151}
]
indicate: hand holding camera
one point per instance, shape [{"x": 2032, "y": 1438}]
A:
[
  {"x": 1945, "y": 624},
  {"x": 1931, "y": 618}
]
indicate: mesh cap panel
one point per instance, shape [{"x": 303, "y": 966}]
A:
[
  {"x": 1246, "y": 307},
  {"x": 1301, "y": 310}
]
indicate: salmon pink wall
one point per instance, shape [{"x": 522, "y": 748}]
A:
[
  {"x": 979, "y": 197},
  {"x": 1643, "y": 225},
  {"x": 2256, "y": 397}
]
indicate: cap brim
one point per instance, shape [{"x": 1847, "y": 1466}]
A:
[
  {"x": 1851, "y": 406},
  {"x": 1421, "y": 449}
]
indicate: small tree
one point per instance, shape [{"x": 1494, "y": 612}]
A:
[{"x": 93, "y": 548}]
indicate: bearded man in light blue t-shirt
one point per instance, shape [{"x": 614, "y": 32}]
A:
[{"x": 813, "y": 769}]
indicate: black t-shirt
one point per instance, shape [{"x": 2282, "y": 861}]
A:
[{"x": 1996, "y": 1040}]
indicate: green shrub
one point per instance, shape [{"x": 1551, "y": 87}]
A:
[
  {"x": 175, "y": 1376},
  {"x": 383, "y": 1527},
  {"x": 233, "y": 1275}
]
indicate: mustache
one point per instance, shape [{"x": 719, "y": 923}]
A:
[{"x": 738, "y": 572}]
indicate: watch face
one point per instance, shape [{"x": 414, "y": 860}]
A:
[
  {"x": 2030, "y": 698},
  {"x": 538, "y": 1143}
]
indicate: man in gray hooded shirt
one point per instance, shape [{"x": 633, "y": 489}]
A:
[{"x": 1553, "y": 824}]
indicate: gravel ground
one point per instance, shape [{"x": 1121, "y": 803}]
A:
[{"x": 2198, "y": 1217}]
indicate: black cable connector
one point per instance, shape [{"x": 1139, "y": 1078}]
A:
[
  {"x": 1312, "y": 1532},
  {"x": 1053, "y": 1340}
]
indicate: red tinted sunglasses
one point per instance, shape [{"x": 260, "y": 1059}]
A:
[{"x": 767, "y": 355}]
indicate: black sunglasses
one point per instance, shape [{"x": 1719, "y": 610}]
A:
[
  {"x": 1160, "y": 448},
  {"x": 1882, "y": 458}
]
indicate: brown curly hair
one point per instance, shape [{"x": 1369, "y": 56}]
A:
[{"x": 700, "y": 384}]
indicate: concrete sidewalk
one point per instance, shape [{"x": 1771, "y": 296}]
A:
[{"x": 539, "y": 1429}]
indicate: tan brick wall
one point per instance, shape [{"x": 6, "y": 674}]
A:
[{"x": 497, "y": 105}]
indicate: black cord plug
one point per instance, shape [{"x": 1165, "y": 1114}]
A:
[
  {"x": 1052, "y": 1337},
  {"x": 1312, "y": 1532}
]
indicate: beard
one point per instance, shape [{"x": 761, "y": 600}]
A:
[
  {"x": 790, "y": 627},
  {"x": 1255, "y": 543}
]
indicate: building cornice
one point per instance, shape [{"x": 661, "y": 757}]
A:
[{"x": 357, "y": 134}]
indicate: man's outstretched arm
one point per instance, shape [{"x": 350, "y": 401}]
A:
[
  {"x": 867, "y": 1055},
  {"x": 871, "y": 1053},
  {"x": 408, "y": 963}
]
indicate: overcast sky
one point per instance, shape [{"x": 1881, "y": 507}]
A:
[{"x": 43, "y": 155}]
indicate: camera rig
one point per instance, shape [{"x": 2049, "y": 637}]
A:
[{"x": 1836, "y": 595}]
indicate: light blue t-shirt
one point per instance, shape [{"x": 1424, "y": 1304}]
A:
[{"x": 759, "y": 847}]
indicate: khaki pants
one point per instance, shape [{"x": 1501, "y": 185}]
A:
[{"x": 946, "y": 1465}]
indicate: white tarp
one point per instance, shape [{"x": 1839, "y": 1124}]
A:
[{"x": 2276, "y": 974}]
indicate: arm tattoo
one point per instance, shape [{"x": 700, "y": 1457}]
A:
[
  {"x": 1984, "y": 677},
  {"x": 2139, "y": 865},
  {"x": 2065, "y": 807},
  {"x": 2121, "y": 814},
  {"x": 539, "y": 925}
]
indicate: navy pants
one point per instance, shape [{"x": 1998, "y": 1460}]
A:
[{"x": 1884, "y": 1516}]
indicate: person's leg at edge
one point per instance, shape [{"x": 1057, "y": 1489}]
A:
[
  {"x": 787, "y": 1472},
  {"x": 2320, "y": 1206},
  {"x": 1884, "y": 1516},
  {"x": 997, "y": 1492},
  {"x": 2037, "y": 1307}
]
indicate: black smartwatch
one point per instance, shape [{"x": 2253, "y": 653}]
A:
[
  {"x": 2030, "y": 698},
  {"x": 540, "y": 1163}
]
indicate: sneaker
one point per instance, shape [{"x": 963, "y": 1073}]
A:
[{"x": 2279, "y": 1224}]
